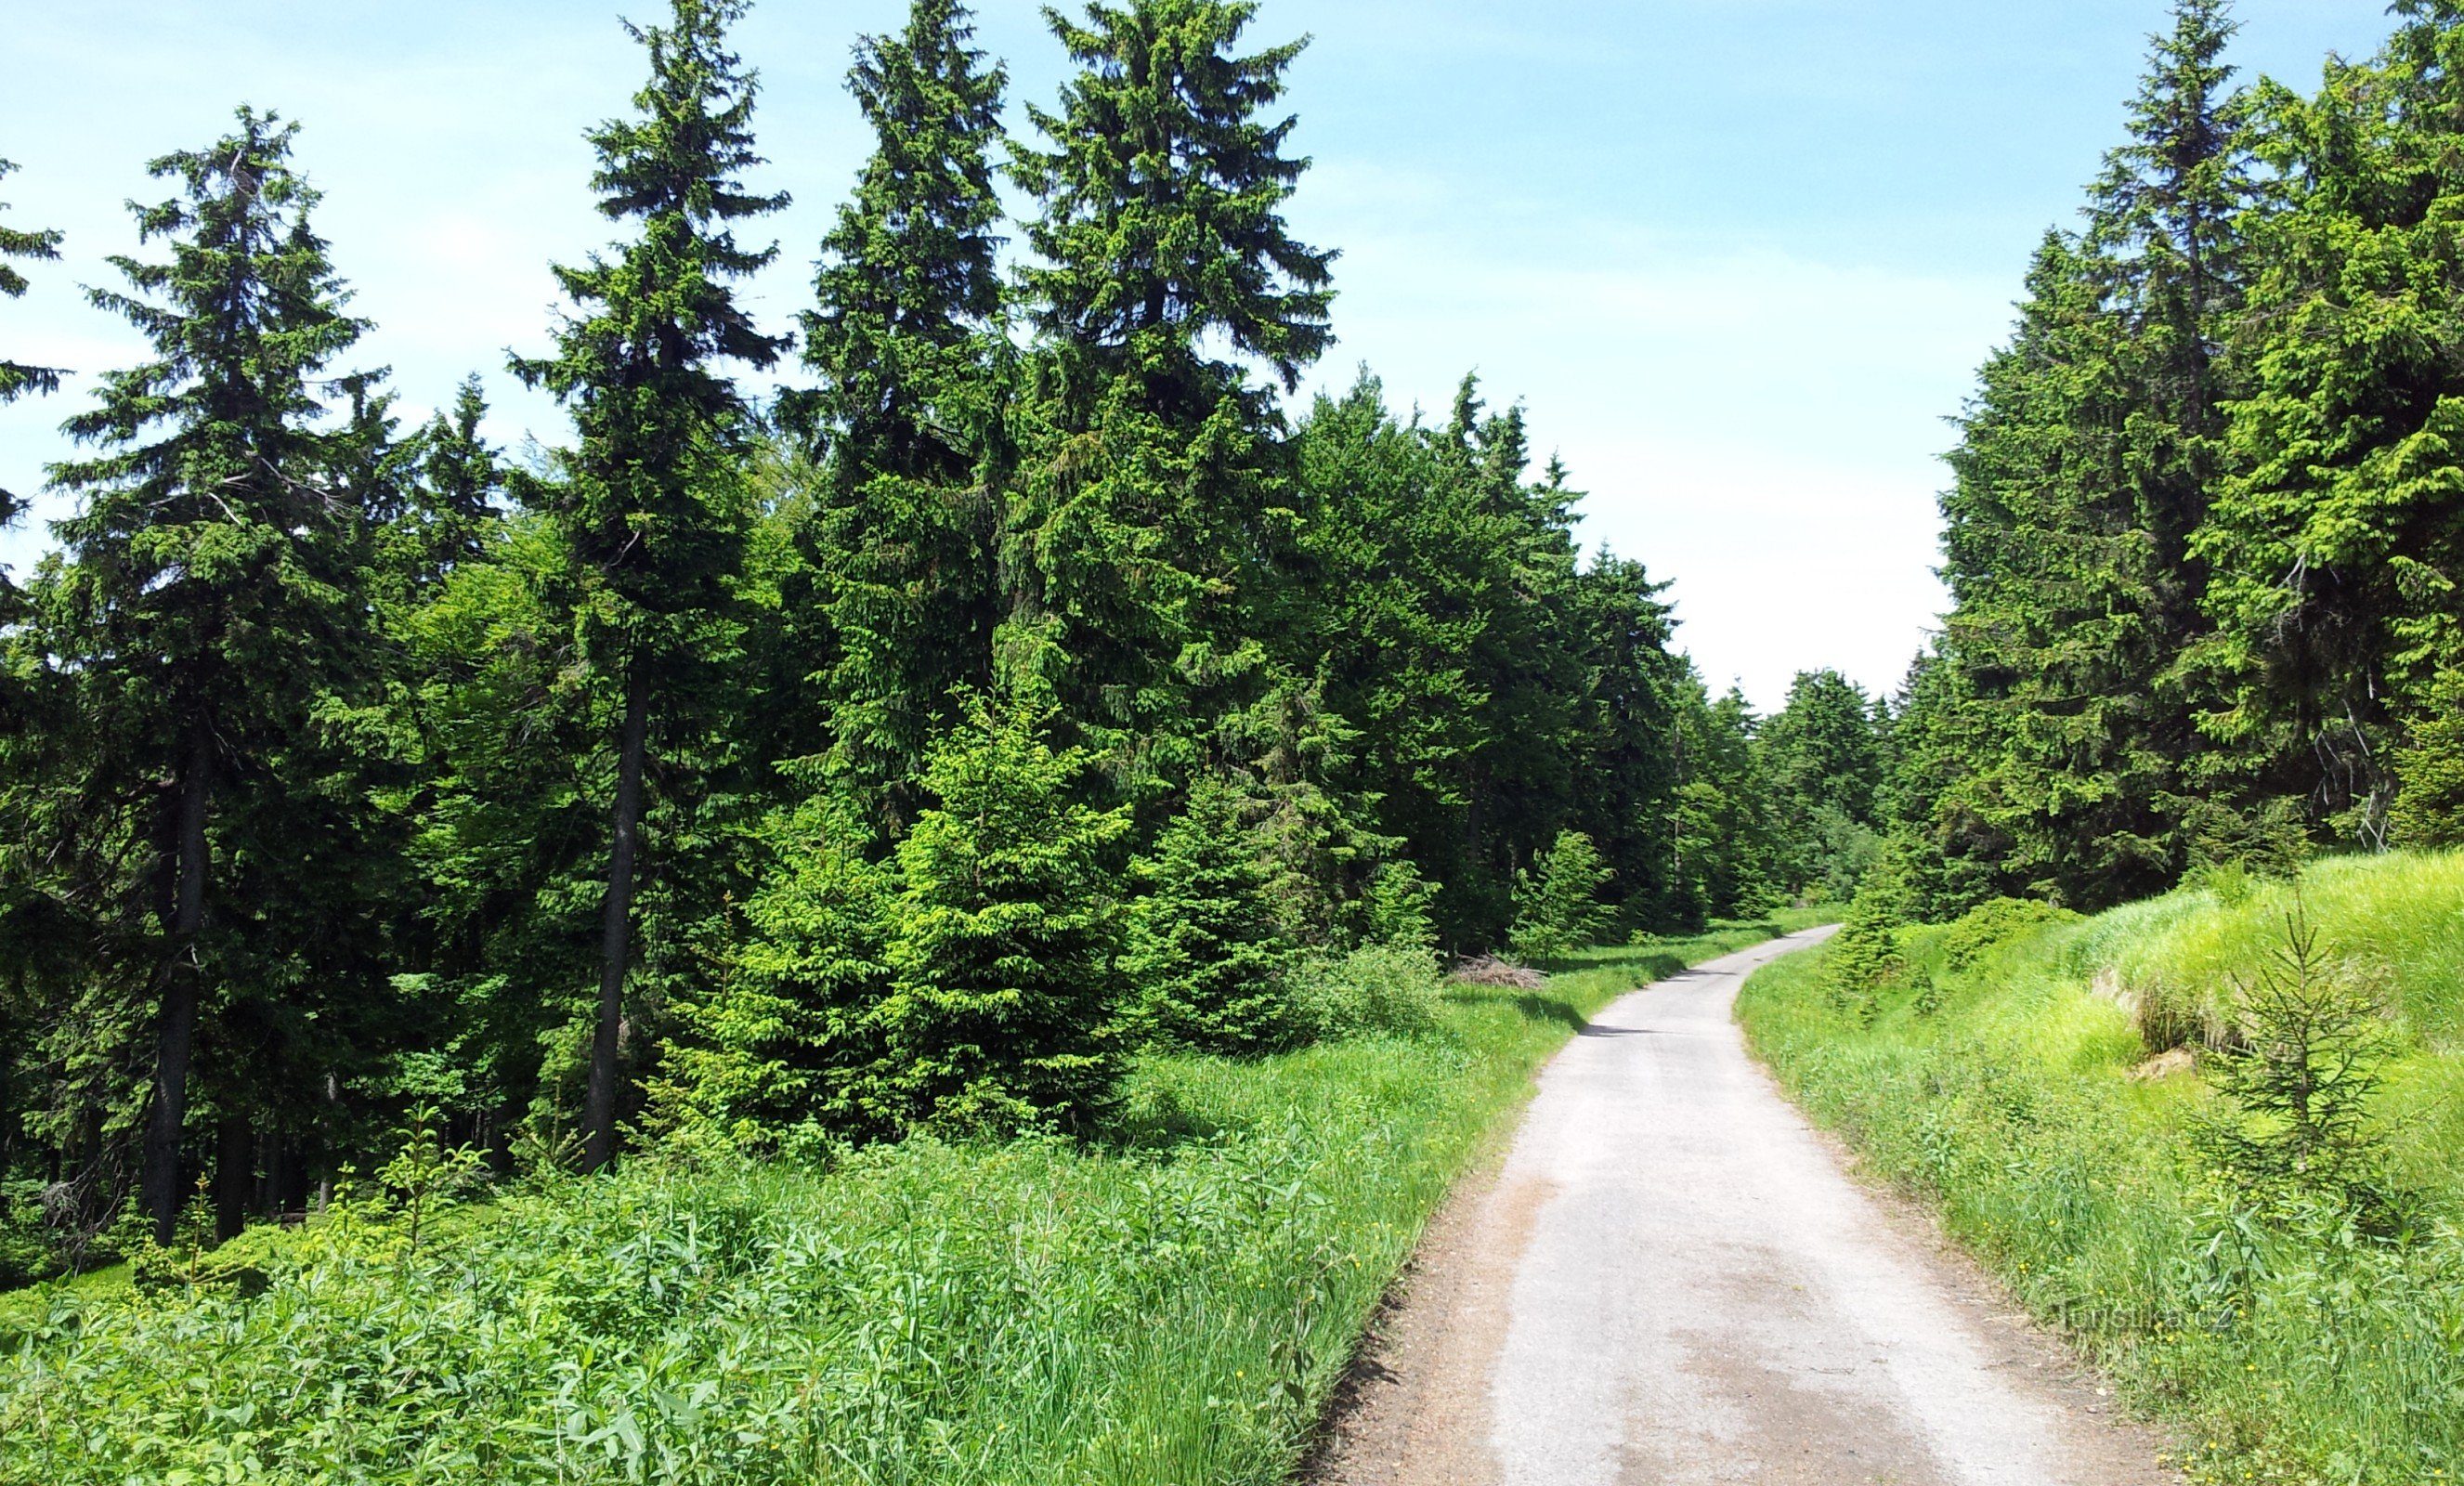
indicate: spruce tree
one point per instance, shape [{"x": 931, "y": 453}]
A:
[
  {"x": 2333, "y": 542},
  {"x": 907, "y": 342},
  {"x": 1822, "y": 756},
  {"x": 16, "y": 378},
  {"x": 1207, "y": 960},
  {"x": 1007, "y": 933},
  {"x": 1556, "y": 900},
  {"x": 1163, "y": 201},
  {"x": 648, "y": 506},
  {"x": 2084, "y": 471},
  {"x": 453, "y": 492},
  {"x": 208, "y": 588},
  {"x": 1151, "y": 517}
]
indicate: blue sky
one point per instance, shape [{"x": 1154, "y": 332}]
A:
[{"x": 1740, "y": 257}]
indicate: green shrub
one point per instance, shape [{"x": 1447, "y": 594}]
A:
[
  {"x": 1383, "y": 989},
  {"x": 1990, "y": 925}
]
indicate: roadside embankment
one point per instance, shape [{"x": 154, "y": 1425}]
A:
[{"x": 2062, "y": 1090}]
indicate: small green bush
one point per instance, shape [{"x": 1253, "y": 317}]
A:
[
  {"x": 1384, "y": 990},
  {"x": 1990, "y": 925}
]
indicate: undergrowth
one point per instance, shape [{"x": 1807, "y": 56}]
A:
[
  {"x": 2057, "y": 1086},
  {"x": 1167, "y": 1304}
]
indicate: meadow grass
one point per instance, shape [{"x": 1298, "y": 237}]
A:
[
  {"x": 2017, "y": 1095},
  {"x": 1167, "y": 1304}
]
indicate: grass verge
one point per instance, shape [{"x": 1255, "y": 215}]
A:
[
  {"x": 1171, "y": 1305},
  {"x": 2015, "y": 1084}
]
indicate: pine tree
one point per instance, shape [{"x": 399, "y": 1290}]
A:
[
  {"x": 1822, "y": 756},
  {"x": 648, "y": 506},
  {"x": 906, "y": 340},
  {"x": 1723, "y": 839},
  {"x": 2428, "y": 813},
  {"x": 1003, "y": 958},
  {"x": 208, "y": 581},
  {"x": 2082, "y": 473},
  {"x": 1207, "y": 960},
  {"x": 452, "y": 505},
  {"x": 789, "y": 1036}
]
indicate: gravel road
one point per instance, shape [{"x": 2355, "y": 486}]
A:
[{"x": 1673, "y": 1279}]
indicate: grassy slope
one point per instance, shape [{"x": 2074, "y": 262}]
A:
[
  {"x": 1169, "y": 1309},
  {"x": 2290, "y": 1353}
]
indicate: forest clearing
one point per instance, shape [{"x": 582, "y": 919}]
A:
[{"x": 938, "y": 882}]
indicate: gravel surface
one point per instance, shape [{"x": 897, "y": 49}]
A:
[{"x": 1673, "y": 1279}]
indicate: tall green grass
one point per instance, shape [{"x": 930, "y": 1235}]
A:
[
  {"x": 1168, "y": 1305},
  {"x": 2018, "y": 1094}
]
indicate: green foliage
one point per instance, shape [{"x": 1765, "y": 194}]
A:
[
  {"x": 788, "y": 1038},
  {"x": 1990, "y": 925},
  {"x": 1208, "y": 964},
  {"x": 1724, "y": 837},
  {"x": 1556, "y": 901},
  {"x": 1865, "y": 954},
  {"x": 1384, "y": 989},
  {"x": 1824, "y": 758},
  {"x": 1162, "y": 195},
  {"x": 633, "y": 788},
  {"x": 2430, "y": 811},
  {"x": 1003, "y": 954}
]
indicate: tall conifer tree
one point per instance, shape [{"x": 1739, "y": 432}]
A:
[
  {"x": 2082, "y": 473},
  {"x": 209, "y": 569},
  {"x": 650, "y": 505},
  {"x": 1149, "y": 516},
  {"x": 905, "y": 340},
  {"x": 2338, "y": 570}
]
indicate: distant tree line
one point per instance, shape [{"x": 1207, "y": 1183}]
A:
[
  {"x": 2206, "y": 531},
  {"x": 1021, "y": 687}
]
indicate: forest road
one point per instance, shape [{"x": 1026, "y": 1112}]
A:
[{"x": 1674, "y": 1281}]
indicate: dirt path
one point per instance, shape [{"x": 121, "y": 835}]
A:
[{"x": 1674, "y": 1281}]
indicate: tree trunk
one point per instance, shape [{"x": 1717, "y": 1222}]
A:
[
  {"x": 176, "y": 1030},
  {"x": 599, "y": 1107}
]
